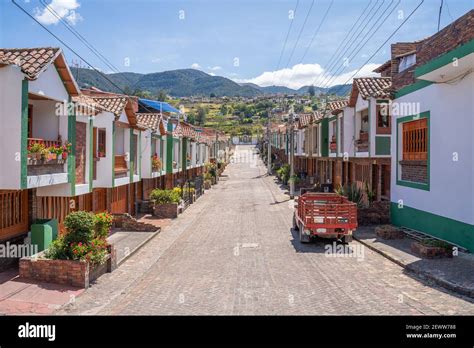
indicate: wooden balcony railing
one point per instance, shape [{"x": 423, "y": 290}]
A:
[
  {"x": 47, "y": 143},
  {"x": 121, "y": 167},
  {"x": 363, "y": 142}
]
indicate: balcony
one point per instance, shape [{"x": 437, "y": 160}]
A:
[
  {"x": 46, "y": 162},
  {"x": 46, "y": 156},
  {"x": 120, "y": 168}
]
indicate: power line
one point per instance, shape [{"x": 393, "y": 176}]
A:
[
  {"x": 286, "y": 39},
  {"x": 383, "y": 44},
  {"x": 299, "y": 34},
  {"x": 350, "y": 43},
  {"x": 439, "y": 14},
  {"x": 312, "y": 38},
  {"x": 84, "y": 41},
  {"x": 73, "y": 51},
  {"x": 353, "y": 54}
]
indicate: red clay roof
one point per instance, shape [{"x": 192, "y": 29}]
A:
[
  {"x": 33, "y": 61},
  {"x": 376, "y": 87}
]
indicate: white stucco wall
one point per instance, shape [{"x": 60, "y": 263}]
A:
[
  {"x": 45, "y": 120},
  {"x": 49, "y": 84},
  {"x": 451, "y": 132},
  {"x": 348, "y": 124},
  {"x": 105, "y": 120},
  {"x": 10, "y": 127}
]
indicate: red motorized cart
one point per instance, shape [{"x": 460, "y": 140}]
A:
[{"x": 326, "y": 215}]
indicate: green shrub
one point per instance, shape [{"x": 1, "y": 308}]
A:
[
  {"x": 103, "y": 224},
  {"x": 159, "y": 196},
  {"x": 79, "y": 226},
  {"x": 58, "y": 249},
  {"x": 284, "y": 173}
]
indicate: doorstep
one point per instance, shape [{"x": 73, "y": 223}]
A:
[
  {"x": 128, "y": 242},
  {"x": 453, "y": 273}
]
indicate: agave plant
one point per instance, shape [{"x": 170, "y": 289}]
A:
[
  {"x": 354, "y": 194},
  {"x": 370, "y": 193}
]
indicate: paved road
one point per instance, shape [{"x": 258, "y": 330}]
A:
[{"x": 233, "y": 252}]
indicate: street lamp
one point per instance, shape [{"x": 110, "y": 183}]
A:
[{"x": 291, "y": 119}]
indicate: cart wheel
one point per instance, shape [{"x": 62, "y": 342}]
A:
[
  {"x": 303, "y": 237},
  {"x": 346, "y": 239},
  {"x": 295, "y": 225}
]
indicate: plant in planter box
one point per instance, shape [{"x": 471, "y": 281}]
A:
[
  {"x": 84, "y": 240},
  {"x": 35, "y": 150},
  {"x": 103, "y": 224},
  {"x": 155, "y": 163},
  {"x": 165, "y": 202},
  {"x": 67, "y": 149}
]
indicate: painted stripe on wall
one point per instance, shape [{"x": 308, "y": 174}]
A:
[{"x": 439, "y": 226}]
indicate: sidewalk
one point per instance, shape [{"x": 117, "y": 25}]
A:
[
  {"x": 455, "y": 274},
  {"x": 29, "y": 297}
]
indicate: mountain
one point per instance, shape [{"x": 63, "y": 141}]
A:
[
  {"x": 178, "y": 83},
  {"x": 185, "y": 82},
  {"x": 340, "y": 90}
]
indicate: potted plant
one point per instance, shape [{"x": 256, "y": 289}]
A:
[
  {"x": 35, "y": 150},
  {"x": 207, "y": 181},
  {"x": 155, "y": 163},
  {"x": 165, "y": 203}
]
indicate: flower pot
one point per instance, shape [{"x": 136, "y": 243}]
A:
[{"x": 64, "y": 155}]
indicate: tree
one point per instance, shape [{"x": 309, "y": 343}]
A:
[
  {"x": 202, "y": 112},
  {"x": 311, "y": 91},
  {"x": 212, "y": 95},
  {"x": 299, "y": 108},
  {"x": 314, "y": 107},
  {"x": 161, "y": 95},
  {"x": 191, "y": 118}
]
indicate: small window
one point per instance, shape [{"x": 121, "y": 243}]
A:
[
  {"x": 101, "y": 149},
  {"x": 406, "y": 62},
  {"x": 383, "y": 119},
  {"x": 415, "y": 140}
]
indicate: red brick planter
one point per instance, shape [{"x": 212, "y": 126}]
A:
[
  {"x": 389, "y": 232},
  {"x": 430, "y": 252},
  {"x": 67, "y": 272},
  {"x": 166, "y": 211}
]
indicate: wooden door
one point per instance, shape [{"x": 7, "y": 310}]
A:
[
  {"x": 119, "y": 200},
  {"x": 13, "y": 213},
  {"x": 81, "y": 138},
  {"x": 100, "y": 200}
]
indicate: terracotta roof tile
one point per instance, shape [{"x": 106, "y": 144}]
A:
[
  {"x": 376, "y": 87},
  {"x": 32, "y": 61},
  {"x": 151, "y": 120},
  {"x": 87, "y": 105},
  {"x": 113, "y": 104},
  {"x": 337, "y": 105}
]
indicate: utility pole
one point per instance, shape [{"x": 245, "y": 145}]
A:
[
  {"x": 269, "y": 154},
  {"x": 292, "y": 153}
]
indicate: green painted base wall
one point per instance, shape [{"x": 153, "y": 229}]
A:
[
  {"x": 435, "y": 225},
  {"x": 382, "y": 145}
]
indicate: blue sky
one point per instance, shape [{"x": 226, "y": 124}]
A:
[{"x": 238, "y": 39}]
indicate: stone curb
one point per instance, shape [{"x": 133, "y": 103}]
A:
[
  {"x": 443, "y": 283},
  {"x": 139, "y": 246}
]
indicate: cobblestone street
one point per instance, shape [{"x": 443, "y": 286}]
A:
[{"x": 233, "y": 252}]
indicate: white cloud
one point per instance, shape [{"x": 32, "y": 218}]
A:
[
  {"x": 211, "y": 73},
  {"x": 156, "y": 60},
  {"x": 214, "y": 68},
  {"x": 306, "y": 74},
  {"x": 195, "y": 66},
  {"x": 64, "y": 9}
]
